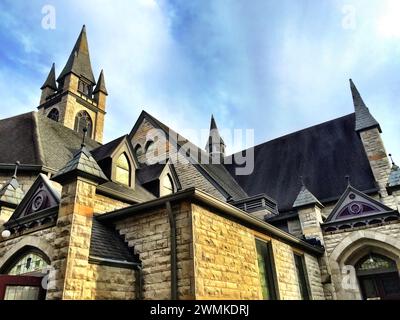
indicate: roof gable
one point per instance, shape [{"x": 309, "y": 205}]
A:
[
  {"x": 40, "y": 197},
  {"x": 354, "y": 204}
]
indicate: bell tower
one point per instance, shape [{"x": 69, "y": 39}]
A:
[{"x": 76, "y": 100}]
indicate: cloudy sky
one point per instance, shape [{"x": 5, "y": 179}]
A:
[{"x": 275, "y": 66}]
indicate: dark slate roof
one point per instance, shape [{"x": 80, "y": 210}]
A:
[
  {"x": 364, "y": 119},
  {"x": 150, "y": 173},
  {"x": 37, "y": 140},
  {"x": 217, "y": 172},
  {"x": 106, "y": 243},
  {"x": 11, "y": 193},
  {"x": 394, "y": 177},
  {"x": 304, "y": 198},
  {"x": 51, "y": 79},
  {"x": 79, "y": 60},
  {"x": 101, "y": 84},
  {"x": 323, "y": 154},
  {"x": 82, "y": 163},
  {"x": 106, "y": 150},
  {"x": 138, "y": 194}
]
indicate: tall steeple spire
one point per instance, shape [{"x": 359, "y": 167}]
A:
[
  {"x": 79, "y": 60},
  {"x": 364, "y": 119},
  {"x": 51, "y": 79},
  {"x": 215, "y": 145}
]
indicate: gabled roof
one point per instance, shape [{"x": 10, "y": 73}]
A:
[
  {"x": 217, "y": 173},
  {"x": 106, "y": 243},
  {"x": 305, "y": 198},
  {"x": 51, "y": 79},
  {"x": 11, "y": 194},
  {"x": 149, "y": 173},
  {"x": 364, "y": 119},
  {"x": 40, "y": 141},
  {"x": 43, "y": 192},
  {"x": 81, "y": 164},
  {"x": 323, "y": 154},
  {"x": 353, "y": 204},
  {"x": 79, "y": 60}
]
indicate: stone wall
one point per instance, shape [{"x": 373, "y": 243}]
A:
[
  {"x": 149, "y": 234},
  {"x": 225, "y": 258},
  {"x": 226, "y": 261},
  {"x": 108, "y": 283},
  {"x": 378, "y": 160},
  {"x": 103, "y": 204}
]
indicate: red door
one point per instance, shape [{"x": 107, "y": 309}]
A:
[{"x": 21, "y": 288}]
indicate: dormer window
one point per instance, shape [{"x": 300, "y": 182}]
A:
[
  {"x": 123, "y": 171},
  {"x": 167, "y": 186},
  {"x": 85, "y": 88}
]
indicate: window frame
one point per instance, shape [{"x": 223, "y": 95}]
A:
[
  {"x": 302, "y": 276},
  {"x": 270, "y": 268},
  {"x": 89, "y": 122}
]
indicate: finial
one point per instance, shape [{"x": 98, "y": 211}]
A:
[
  {"x": 302, "y": 181},
  {"x": 391, "y": 158},
  {"x": 347, "y": 179},
  {"x": 17, "y": 164},
  {"x": 84, "y": 136}
]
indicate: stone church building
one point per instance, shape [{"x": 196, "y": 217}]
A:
[{"x": 81, "y": 218}]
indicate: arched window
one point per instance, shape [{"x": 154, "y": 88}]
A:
[
  {"x": 54, "y": 114},
  {"x": 83, "y": 120},
  {"x": 31, "y": 262},
  {"x": 123, "y": 171},
  {"x": 85, "y": 88},
  {"x": 373, "y": 263},
  {"x": 138, "y": 150},
  {"x": 167, "y": 186},
  {"x": 150, "y": 146}
]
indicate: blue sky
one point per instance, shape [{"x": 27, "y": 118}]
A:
[{"x": 268, "y": 65}]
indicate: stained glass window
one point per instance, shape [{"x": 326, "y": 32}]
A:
[
  {"x": 83, "y": 120},
  {"x": 28, "y": 264},
  {"x": 374, "y": 261}
]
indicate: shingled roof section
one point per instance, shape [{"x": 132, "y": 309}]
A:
[
  {"x": 323, "y": 154},
  {"x": 394, "y": 177},
  {"x": 101, "y": 84},
  {"x": 216, "y": 172},
  {"x": 79, "y": 60},
  {"x": 305, "y": 198},
  {"x": 11, "y": 194},
  {"x": 364, "y": 119},
  {"x": 84, "y": 164},
  {"x": 106, "y": 243},
  {"x": 44, "y": 142}
]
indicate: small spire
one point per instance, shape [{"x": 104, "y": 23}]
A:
[
  {"x": 51, "y": 79},
  {"x": 364, "y": 119},
  {"x": 101, "y": 84},
  {"x": 17, "y": 164},
  {"x": 347, "y": 177},
  {"x": 302, "y": 181},
  {"x": 391, "y": 159}
]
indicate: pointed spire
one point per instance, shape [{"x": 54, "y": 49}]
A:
[
  {"x": 364, "y": 119},
  {"x": 215, "y": 139},
  {"x": 11, "y": 194},
  {"x": 101, "y": 84},
  {"x": 305, "y": 197},
  {"x": 51, "y": 79},
  {"x": 79, "y": 60},
  {"x": 82, "y": 164}
]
